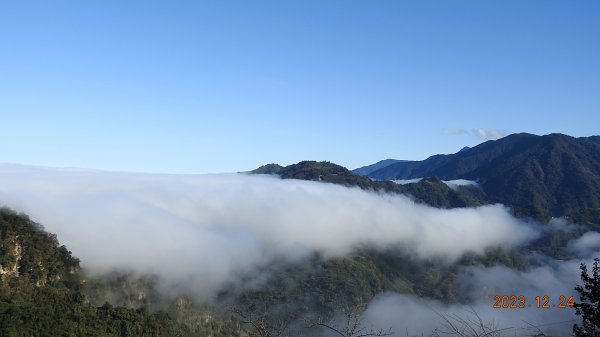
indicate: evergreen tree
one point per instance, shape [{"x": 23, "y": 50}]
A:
[{"x": 589, "y": 307}]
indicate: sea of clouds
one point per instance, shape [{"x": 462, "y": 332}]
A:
[{"x": 200, "y": 232}]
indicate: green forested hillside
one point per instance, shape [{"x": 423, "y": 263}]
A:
[{"x": 41, "y": 293}]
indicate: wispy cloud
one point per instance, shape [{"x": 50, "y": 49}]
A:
[
  {"x": 488, "y": 134},
  {"x": 481, "y": 134}
]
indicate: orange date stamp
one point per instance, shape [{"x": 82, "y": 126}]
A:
[{"x": 540, "y": 302}]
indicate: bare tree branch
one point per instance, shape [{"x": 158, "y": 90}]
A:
[
  {"x": 471, "y": 326},
  {"x": 352, "y": 326},
  {"x": 261, "y": 323}
]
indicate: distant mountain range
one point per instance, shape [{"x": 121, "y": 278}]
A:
[
  {"x": 366, "y": 170},
  {"x": 555, "y": 174},
  {"x": 431, "y": 191},
  {"x": 538, "y": 176}
]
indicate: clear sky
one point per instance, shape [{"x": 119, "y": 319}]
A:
[{"x": 224, "y": 86}]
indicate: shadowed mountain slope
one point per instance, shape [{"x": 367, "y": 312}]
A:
[
  {"x": 553, "y": 174},
  {"x": 366, "y": 170}
]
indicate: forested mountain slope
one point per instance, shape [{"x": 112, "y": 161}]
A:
[{"x": 555, "y": 174}]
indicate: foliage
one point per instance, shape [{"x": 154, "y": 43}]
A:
[
  {"x": 587, "y": 216},
  {"x": 589, "y": 307},
  {"x": 267, "y": 169}
]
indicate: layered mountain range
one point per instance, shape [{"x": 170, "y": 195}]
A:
[
  {"x": 537, "y": 176},
  {"x": 555, "y": 174},
  {"x": 540, "y": 176}
]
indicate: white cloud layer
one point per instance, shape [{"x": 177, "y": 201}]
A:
[{"x": 209, "y": 229}]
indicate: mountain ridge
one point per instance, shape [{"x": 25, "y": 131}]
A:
[
  {"x": 431, "y": 191},
  {"x": 537, "y": 176},
  {"x": 555, "y": 174},
  {"x": 366, "y": 170}
]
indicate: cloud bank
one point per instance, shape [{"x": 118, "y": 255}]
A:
[
  {"x": 201, "y": 232},
  {"x": 209, "y": 229}
]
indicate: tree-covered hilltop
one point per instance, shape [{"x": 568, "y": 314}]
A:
[
  {"x": 41, "y": 293},
  {"x": 430, "y": 191},
  {"x": 30, "y": 256},
  {"x": 317, "y": 171}
]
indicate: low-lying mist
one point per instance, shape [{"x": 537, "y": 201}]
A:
[
  {"x": 405, "y": 313},
  {"x": 480, "y": 285},
  {"x": 198, "y": 233}
]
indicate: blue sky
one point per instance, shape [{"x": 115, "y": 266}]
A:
[{"x": 223, "y": 86}]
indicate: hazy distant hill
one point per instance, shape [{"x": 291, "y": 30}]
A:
[
  {"x": 366, "y": 170},
  {"x": 553, "y": 174}
]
